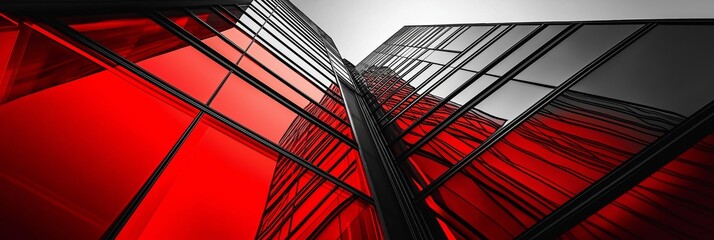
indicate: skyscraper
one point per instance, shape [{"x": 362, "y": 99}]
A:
[{"x": 239, "y": 120}]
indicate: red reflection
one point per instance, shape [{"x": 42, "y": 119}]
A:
[
  {"x": 79, "y": 145},
  {"x": 200, "y": 31},
  {"x": 266, "y": 78},
  {"x": 153, "y": 48},
  {"x": 544, "y": 162},
  {"x": 228, "y": 29},
  {"x": 215, "y": 187},
  {"x": 302, "y": 205},
  {"x": 673, "y": 203},
  {"x": 250, "y": 107}
]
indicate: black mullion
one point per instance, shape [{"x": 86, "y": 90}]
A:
[
  {"x": 266, "y": 43},
  {"x": 303, "y": 194},
  {"x": 379, "y": 81},
  {"x": 305, "y": 36},
  {"x": 331, "y": 217},
  {"x": 168, "y": 25},
  {"x": 287, "y": 15},
  {"x": 468, "y": 82},
  {"x": 458, "y": 34},
  {"x": 377, "y": 105},
  {"x": 402, "y": 69},
  {"x": 552, "y": 95},
  {"x": 301, "y": 56},
  {"x": 126, "y": 213},
  {"x": 291, "y": 16},
  {"x": 399, "y": 32},
  {"x": 625, "y": 21},
  {"x": 301, "y": 48},
  {"x": 285, "y": 60},
  {"x": 444, "y": 78},
  {"x": 245, "y": 53},
  {"x": 386, "y": 49},
  {"x": 76, "y": 36},
  {"x": 435, "y": 48},
  {"x": 291, "y": 28},
  {"x": 442, "y": 69},
  {"x": 448, "y": 40},
  {"x": 225, "y": 79},
  {"x": 324, "y": 199},
  {"x": 401, "y": 199},
  {"x": 427, "y": 40},
  {"x": 626, "y": 176},
  {"x": 280, "y": 216},
  {"x": 430, "y": 40},
  {"x": 490, "y": 89},
  {"x": 412, "y": 58}
]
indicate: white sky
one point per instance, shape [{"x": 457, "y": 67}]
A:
[{"x": 360, "y": 26}]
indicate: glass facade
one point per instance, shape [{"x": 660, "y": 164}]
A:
[
  {"x": 240, "y": 120},
  {"x": 213, "y": 121},
  {"x": 497, "y": 127}
]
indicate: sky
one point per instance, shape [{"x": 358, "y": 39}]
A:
[{"x": 359, "y": 26}]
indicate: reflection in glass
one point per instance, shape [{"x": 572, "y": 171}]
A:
[
  {"x": 78, "y": 139},
  {"x": 576, "y": 51}
]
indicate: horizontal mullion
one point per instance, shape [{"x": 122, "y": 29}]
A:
[
  {"x": 489, "y": 90},
  {"x": 501, "y": 132},
  {"x": 198, "y": 45},
  {"x": 76, "y": 36},
  {"x": 263, "y": 66},
  {"x": 442, "y": 69},
  {"x": 285, "y": 60},
  {"x": 469, "y": 82}
]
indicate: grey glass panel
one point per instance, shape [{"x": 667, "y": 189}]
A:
[
  {"x": 512, "y": 99},
  {"x": 443, "y": 37},
  {"x": 435, "y": 79},
  {"x": 467, "y": 37},
  {"x": 453, "y": 82},
  {"x": 527, "y": 49},
  {"x": 440, "y": 57},
  {"x": 424, "y": 75},
  {"x": 670, "y": 68},
  {"x": 479, "y": 45},
  {"x": 500, "y": 46},
  {"x": 575, "y": 52},
  {"x": 472, "y": 90},
  {"x": 414, "y": 71},
  {"x": 426, "y": 55},
  {"x": 251, "y": 26}
]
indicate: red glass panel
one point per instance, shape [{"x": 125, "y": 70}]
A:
[
  {"x": 266, "y": 78},
  {"x": 303, "y": 206},
  {"x": 228, "y": 29},
  {"x": 260, "y": 73},
  {"x": 78, "y": 147},
  {"x": 215, "y": 187},
  {"x": 250, "y": 107},
  {"x": 357, "y": 221},
  {"x": 155, "y": 49},
  {"x": 544, "y": 162},
  {"x": 199, "y": 31},
  {"x": 673, "y": 203},
  {"x": 450, "y": 145},
  {"x": 258, "y": 112}
]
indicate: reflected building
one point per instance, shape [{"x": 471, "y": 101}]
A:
[{"x": 240, "y": 120}]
